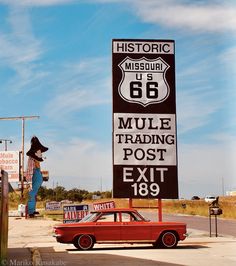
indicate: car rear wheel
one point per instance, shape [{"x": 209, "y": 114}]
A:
[
  {"x": 84, "y": 242},
  {"x": 168, "y": 240}
]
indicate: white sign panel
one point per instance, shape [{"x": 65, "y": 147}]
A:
[
  {"x": 10, "y": 162},
  {"x": 104, "y": 205},
  {"x": 144, "y": 139},
  {"x": 53, "y": 206}
]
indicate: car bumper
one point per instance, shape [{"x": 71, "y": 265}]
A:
[{"x": 60, "y": 238}]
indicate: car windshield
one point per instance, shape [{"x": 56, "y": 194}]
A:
[{"x": 89, "y": 218}]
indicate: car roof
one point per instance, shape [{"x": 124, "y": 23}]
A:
[{"x": 116, "y": 210}]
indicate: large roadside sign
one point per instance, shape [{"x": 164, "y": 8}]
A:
[
  {"x": 144, "y": 119},
  {"x": 10, "y": 162}
]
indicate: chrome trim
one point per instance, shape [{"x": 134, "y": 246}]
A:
[
  {"x": 126, "y": 241},
  {"x": 56, "y": 235}
]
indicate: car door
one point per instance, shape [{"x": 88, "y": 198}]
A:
[
  {"x": 107, "y": 227},
  {"x": 134, "y": 229}
]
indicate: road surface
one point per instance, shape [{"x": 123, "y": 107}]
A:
[{"x": 224, "y": 226}]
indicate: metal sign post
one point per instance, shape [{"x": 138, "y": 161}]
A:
[
  {"x": 144, "y": 119},
  {"x": 214, "y": 211}
]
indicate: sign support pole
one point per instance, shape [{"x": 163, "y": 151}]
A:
[
  {"x": 130, "y": 203},
  {"x": 216, "y": 225},
  {"x": 210, "y": 221},
  {"x": 159, "y": 210}
]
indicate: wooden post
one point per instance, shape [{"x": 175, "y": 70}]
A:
[
  {"x": 159, "y": 210},
  {"x": 4, "y": 218}
]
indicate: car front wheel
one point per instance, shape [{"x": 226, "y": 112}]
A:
[
  {"x": 168, "y": 240},
  {"x": 84, "y": 242}
]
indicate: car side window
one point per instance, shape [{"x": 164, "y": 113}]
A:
[
  {"x": 108, "y": 217},
  {"x": 128, "y": 217}
]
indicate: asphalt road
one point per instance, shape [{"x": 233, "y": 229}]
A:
[{"x": 225, "y": 227}]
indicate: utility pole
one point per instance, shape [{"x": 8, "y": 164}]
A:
[
  {"x": 223, "y": 186},
  {"x": 22, "y": 118}
]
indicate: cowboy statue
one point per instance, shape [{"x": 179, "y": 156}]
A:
[{"x": 33, "y": 173}]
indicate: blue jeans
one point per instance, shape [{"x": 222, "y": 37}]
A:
[{"x": 37, "y": 181}]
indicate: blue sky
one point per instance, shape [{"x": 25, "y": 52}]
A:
[{"x": 55, "y": 62}]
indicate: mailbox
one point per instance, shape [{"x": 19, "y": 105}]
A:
[{"x": 215, "y": 211}]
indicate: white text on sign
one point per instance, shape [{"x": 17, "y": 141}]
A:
[
  {"x": 147, "y": 181},
  {"x": 143, "y": 47}
]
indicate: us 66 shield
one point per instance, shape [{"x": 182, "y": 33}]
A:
[{"x": 143, "y": 81}]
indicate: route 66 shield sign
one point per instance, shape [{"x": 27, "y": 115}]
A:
[{"x": 143, "y": 81}]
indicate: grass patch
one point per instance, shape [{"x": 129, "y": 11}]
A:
[
  {"x": 191, "y": 207},
  {"x": 200, "y": 207}
]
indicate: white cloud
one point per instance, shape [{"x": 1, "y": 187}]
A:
[
  {"x": 203, "y": 16},
  {"x": 82, "y": 85},
  {"x": 74, "y": 100},
  {"x": 35, "y": 2},
  {"x": 81, "y": 163},
  {"x": 20, "y": 44},
  {"x": 202, "y": 168},
  {"x": 20, "y": 50},
  {"x": 214, "y": 16},
  {"x": 194, "y": 108},
  {"x": 228, "y": 59},
  {"x": 42, "y": 3}
]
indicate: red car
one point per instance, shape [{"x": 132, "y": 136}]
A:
[{"x": 119, "y": 226}]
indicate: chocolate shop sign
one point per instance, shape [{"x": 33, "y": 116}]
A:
[{"x": 144, "y": 119}]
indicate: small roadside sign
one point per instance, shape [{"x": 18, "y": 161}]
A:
[
  {"x": 10, "y": 162},
  {"x": 104, "y": 205},
  {"x": 53, "y": 206},
  {"x": 74, "y": 213}
]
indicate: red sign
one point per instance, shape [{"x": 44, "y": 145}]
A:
[{"x": 104, "y": 205}]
